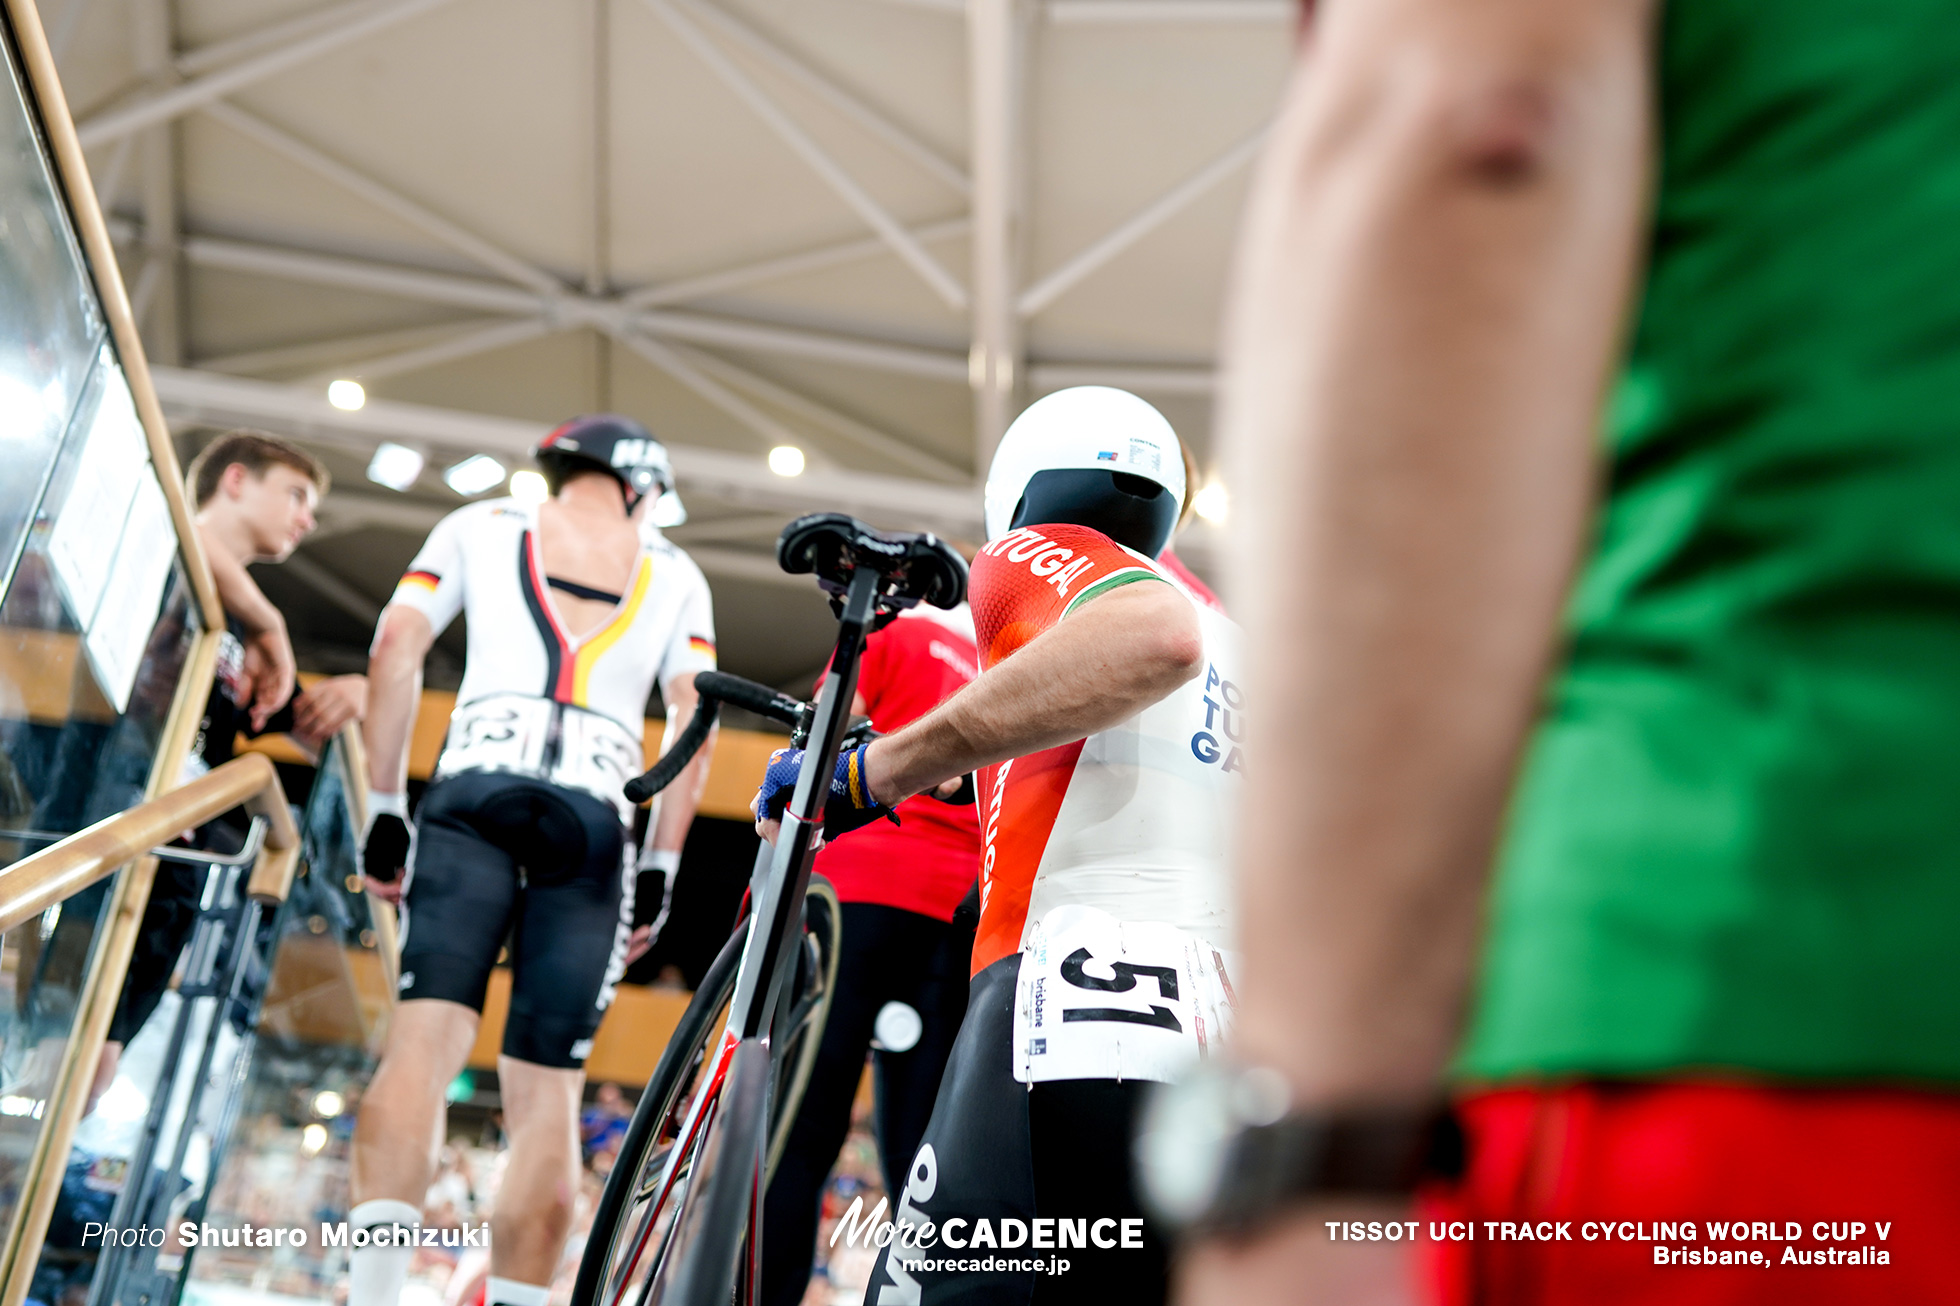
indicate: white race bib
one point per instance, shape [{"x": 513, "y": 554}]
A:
[
  {"x": 1099, "y": 998},
  {"x": 512, "y": 733}
]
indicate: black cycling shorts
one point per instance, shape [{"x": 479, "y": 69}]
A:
[
  {"x": 1045, "y": 1168},
  {"x": 500, "y": 857}
]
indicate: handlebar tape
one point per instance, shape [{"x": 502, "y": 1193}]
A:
[
  {"x": 759, "y": 699},
  {"x": 675, "y": 760}
]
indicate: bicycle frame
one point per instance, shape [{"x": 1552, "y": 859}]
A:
[{"x": 777, "y": 886}]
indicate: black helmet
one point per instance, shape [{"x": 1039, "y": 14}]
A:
[{"x": 607, "y": 442}]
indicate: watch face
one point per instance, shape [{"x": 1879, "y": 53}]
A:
[{"x": 1181, "y": 1149}]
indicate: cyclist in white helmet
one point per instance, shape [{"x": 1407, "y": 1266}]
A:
[
  {"x": 576, "y": 608},
  {"x": 1104, "y": 728}
]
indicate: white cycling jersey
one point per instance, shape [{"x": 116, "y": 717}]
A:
[
  {"x": 534, "y": 700},
  {"x": 1104, "y": 861}
]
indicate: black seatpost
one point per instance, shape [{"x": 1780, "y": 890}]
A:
[{"x": 782, "y": 874}]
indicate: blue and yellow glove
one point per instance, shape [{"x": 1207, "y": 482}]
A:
[{"x": 850, "y": 804}]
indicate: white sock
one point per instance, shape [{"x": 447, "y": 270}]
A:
[
  {"x": 509, "y": 1292},
  {"x": 375, "y": 1275}
]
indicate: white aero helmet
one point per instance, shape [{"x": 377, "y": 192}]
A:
[{"x": 1092, "y": 456}]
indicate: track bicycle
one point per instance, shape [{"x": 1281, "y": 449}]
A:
[{"x": 679, "y": 1222}]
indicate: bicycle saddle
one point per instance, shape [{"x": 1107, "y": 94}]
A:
[{"x": 914, "y": 567}]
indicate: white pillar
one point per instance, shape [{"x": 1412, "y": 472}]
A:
[{"x": 997, "y": 41}]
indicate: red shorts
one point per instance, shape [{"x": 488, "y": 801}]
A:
[{"x": 1827, "y": 1182}]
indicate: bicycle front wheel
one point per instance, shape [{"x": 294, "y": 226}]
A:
[{"x": 631, "y": 1228}]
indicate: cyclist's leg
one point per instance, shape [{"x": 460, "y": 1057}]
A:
[
  {"x": 972, "y": 1171},
  {"x": 534, "y": 1209},
  {"x": 1079, "y": 1133},
  {"x": 935, "y": 985},
  {"x": 567, "y": 955},
  {"x": 790, "y": 1213},
  {"x": 457, "y": 906}
]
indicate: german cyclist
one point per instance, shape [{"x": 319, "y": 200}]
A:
[
  {"x": 576, "y": 609},
  {"x": 1103, "y": 726}
]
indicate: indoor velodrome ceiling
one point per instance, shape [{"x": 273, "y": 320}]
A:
[{"x": 870, "y": 229}]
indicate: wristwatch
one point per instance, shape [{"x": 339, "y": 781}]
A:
[{"x": 1223, "y": 1151}]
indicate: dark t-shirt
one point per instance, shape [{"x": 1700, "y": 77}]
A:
[{"x": 224, "y": 718}]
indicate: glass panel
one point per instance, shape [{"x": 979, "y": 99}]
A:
[
  {"x": 269, "y": 1095},
  {"x": 66, "y": 760},
  {"x": 94, "y": 631},
  {"x": 50, "y": 322}
]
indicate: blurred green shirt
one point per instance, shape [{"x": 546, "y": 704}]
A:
[{"x": 1736, "y": 844}]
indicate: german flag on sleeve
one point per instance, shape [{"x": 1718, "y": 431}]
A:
[
  {"x": 700, "y": 644},
  {"x": 418, "y": 582}
]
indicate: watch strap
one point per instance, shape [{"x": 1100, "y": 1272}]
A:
[{"x": 1305, "y": 1155}]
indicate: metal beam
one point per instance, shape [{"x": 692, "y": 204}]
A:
[
  {"x": 195, "y": 63},
  {"x": 112, "y": 175},
  {"x": 786, "y": 265},
  {"x": 951, "y": 8},
  {"x": 568, "y": 310},
  {"x": 312, "y": 354},
  {"x": 800, "y": 143},
  {"x": 832, "y": 94},
  {"x": 481, "y": 341},
  {"x": 1150, "y": 378},
  {"x": 794, "y": 342},
  {"x": 158, "y": 301},
  {"x": 663, "y": 357},
  {"x": 201, "y": 397},
  {"x": 745, "y": 526},
  {"x": 161, "y": 107},
  {"x": 698, "y": 328},
  {"x": 1146, "y": 220},
  {"x": 996, "y": 47},
  {"x": 62, "y": 34},
  {"x": 386, "y": 198},
  {"x": 859, "y": 433},
  {"x": 316, "y": 577},
  {"x": 1112, "y": 12},
  {"x": 359, "y": 274},
  {"x": 599, "y": 143}
]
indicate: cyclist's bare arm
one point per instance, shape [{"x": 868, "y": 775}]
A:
[
  {"x": 679, "y": 799},
  {"x": 1111, "y": 658},
  {"x": 1435, "y": 273},
  {"x": 394, "y": 693}
]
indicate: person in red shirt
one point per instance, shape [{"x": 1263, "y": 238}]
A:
[{"x": 902, "y": 974}]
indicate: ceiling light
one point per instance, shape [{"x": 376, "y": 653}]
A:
[
  {"x": 1212, "y": 502},
  {"x": 786, "y": 460},
  {"x": 394, "y": 465},
  {"x": 347, "y": 395},
  {"x": 529, "y": 487},
  {"x": 474, "y": 475}
]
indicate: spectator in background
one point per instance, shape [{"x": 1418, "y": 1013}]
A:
[
  {"x": 1719, "y": 972},
  {"x": 902, "y": 969},
  {"x": 253, "y": 496}
]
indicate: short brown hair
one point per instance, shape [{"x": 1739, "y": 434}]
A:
[{"x": 255, "y": 451}]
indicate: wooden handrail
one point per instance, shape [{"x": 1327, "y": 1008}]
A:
[{"x": 33, "y": 884}]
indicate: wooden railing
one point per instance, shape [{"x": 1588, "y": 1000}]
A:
[
  {"x": 58, "y": 872},
  {"x": 33, "y": 884}
]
